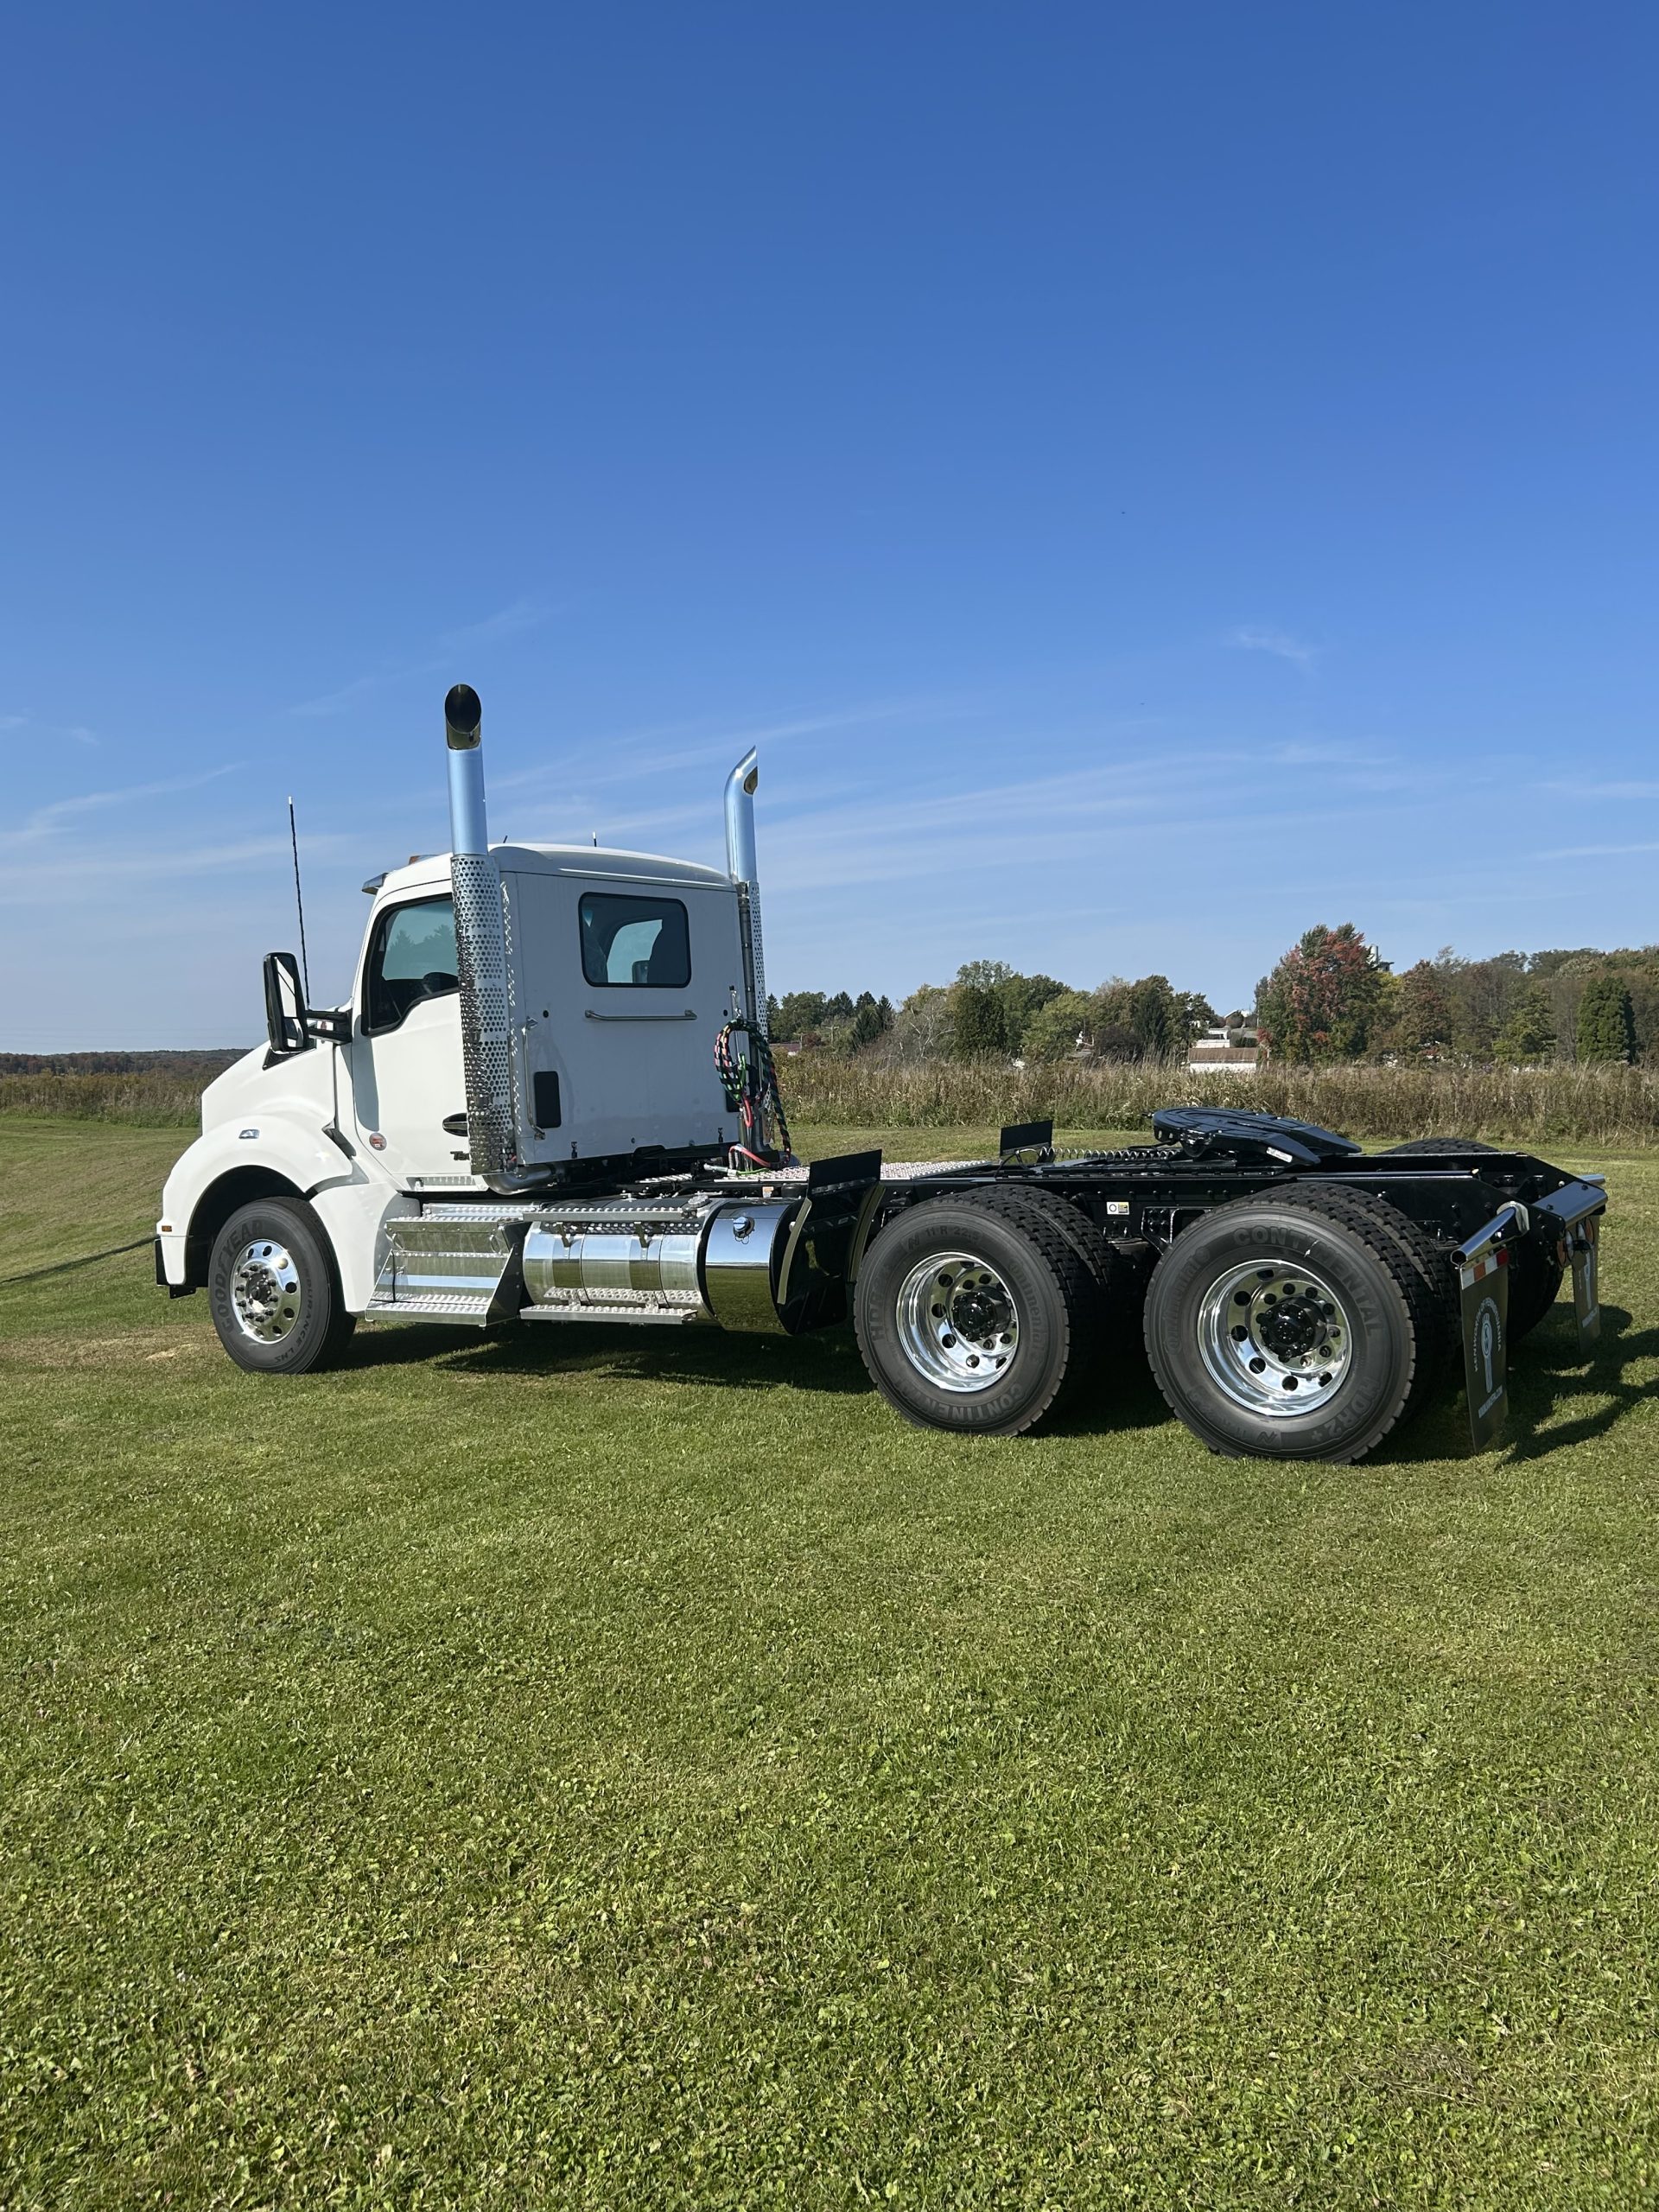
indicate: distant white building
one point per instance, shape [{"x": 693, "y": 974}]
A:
[{"x": 1229, "y": 1049}]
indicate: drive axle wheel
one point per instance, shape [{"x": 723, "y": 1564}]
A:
[
  {"x": 273, "y": 1291},
  {"x": 976, "y": 1316},
  {"x": 1296, "y": 1325},
  {"x": 1275, "y": 1343}
]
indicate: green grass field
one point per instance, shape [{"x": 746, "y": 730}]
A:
[{"x": 623, "y": 1769}]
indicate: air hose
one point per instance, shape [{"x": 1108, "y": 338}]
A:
[{"x": 750, "y": 1082}]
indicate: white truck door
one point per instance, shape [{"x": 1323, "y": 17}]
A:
[{"x": 407, "y": 1073}]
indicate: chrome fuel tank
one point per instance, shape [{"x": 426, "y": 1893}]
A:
[{"x": 715, "y": 1262}]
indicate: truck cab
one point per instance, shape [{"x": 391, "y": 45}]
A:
[
  {"x": 623, "y": 967},
  {"x": 524, "y": 1020}
]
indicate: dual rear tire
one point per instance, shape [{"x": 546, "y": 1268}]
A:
[
  {"x": 984, "y": 1314},
  {"x": 1302, "y": 1325},
  {"x": 1306, "y": 1324}
]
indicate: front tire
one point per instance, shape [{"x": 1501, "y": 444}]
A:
[
  {"x": 1298, "y": 1327},
  {"x": 273, "y": 1292}
]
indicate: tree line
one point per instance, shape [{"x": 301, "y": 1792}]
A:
[
  {"x": 993, "y": 1010},
  {"x": 206, "y": 1064},
  {"x": 1332, "y": 996}
]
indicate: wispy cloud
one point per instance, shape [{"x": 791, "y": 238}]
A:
[
  {"x": 1251, "y": 638},
  {"x": 1594, "y": 852},
  {"x": 716, "y": 745},
  {"x": 48, "y": 821},
  {"x": 1569, "y": 789},
  {"x": 506, "y": 622},
  {"x": 44, "y": 884},
  {"x": 75, "y": 733}
]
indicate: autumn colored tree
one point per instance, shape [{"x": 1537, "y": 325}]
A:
[{"x": 1324, "y": 999}]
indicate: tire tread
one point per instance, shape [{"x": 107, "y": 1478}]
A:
[{"x": 1398, "y": 1244}]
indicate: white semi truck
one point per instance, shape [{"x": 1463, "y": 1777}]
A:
[{"x": 550, "y": 1099}]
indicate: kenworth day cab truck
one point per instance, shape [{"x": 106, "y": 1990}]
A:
[{"x": 550, "y": 1099}]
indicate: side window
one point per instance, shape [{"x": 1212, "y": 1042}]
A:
[
  {"x": 634, "y": 941},
  {"x": 412, "y": 958}
]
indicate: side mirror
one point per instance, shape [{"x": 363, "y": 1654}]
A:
[{"x": 284, "y": 1006}]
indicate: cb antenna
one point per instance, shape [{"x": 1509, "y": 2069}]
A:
[{"x": 299, "y": 901}]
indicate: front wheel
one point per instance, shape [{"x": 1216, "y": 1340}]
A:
[{"x": 273, "y": 1290}]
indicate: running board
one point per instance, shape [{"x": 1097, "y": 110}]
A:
[
  {"x": 669, "y": 1317},
  {"x": 430, "y": 1306},
  {"x": 459, "y": 1270}
]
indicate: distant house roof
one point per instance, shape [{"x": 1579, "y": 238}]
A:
[{"x": 1232, "y": 1049}]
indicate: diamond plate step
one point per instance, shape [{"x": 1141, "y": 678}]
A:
[{"x": 453, "y": 1305}]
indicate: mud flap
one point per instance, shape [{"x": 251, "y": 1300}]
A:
[
  {"x": 1585, "y": 1242},
  {"x": 1485, "y": 1287}
]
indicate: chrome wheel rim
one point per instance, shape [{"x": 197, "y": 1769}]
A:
[
  {"x": 266, "y": 1296},
  {"x": 957, "y": 1322},
  {"x": 1277, "y": 1340}
]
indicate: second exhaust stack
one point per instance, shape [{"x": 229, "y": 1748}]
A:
[{"x": 741, "y": 866}]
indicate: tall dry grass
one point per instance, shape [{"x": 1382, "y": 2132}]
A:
[
  {"x": 1597, "y": 1104},
  {"x": 1594, "y": 1105},
  {"x": 148, "y": 1098}
]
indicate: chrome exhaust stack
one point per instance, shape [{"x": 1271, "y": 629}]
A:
[
  {"x": 480, "y": 954},
  {"x": 463, "y": 734},
  {"x": 741, "y": 866}
]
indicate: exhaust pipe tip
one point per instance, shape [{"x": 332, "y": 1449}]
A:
[{"x": 463, "y": 718}]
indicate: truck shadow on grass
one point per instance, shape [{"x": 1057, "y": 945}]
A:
[
  {"x": 704, "y": 1358},
  {"x": 1549, "y": 1377},
  {"x": 1551, "y": 1373},
  {"x": 825, "y": 1361}
]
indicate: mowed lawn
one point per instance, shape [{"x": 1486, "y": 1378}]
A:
[{"x": 595, "y": 1768}]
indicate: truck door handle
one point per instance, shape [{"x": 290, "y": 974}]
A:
[
  {"x": 454, "y": 1125},
  {"x": 594, "y": 1015}
]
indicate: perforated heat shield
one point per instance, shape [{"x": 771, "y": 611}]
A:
[{"x": 485, "y": 1014}]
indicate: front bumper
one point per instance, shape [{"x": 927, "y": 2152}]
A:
[{"x": 172, "y": 1273}]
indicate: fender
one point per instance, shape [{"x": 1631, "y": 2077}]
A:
[{"x": 281, "y": 1142}]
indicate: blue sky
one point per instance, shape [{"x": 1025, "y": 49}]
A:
[{"x": 1148, "y": 478}]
